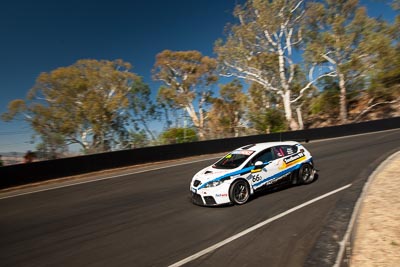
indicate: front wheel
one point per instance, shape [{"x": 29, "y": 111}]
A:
[
  {"x": 306, "y": 174},
  {"x": 239, "y": 192}
]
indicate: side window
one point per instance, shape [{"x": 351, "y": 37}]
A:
[
  {"x": 282, "y": 151},
  {"x": 290, "y": 149},
  {"x": 279, "y": 151},
  {"x": 264, "y": 156}
]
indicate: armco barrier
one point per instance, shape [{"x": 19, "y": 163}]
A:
[{"x": 19, "y": 174}]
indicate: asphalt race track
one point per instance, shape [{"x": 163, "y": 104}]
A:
[{"x": 147, "y": 219}]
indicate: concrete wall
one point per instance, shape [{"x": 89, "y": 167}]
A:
[{"x": 44, "y": 170}]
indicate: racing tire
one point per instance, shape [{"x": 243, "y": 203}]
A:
[
  {"x": 305, "y": 174},
  {"x": 239, "y": 192}
]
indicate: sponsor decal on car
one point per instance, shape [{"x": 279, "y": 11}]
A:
[
  {"x": 257, "y": 178},
  {"x": 276, "y": 179},
  {"x": 292, "y": 160},
  {"x": 243, "y": 152},
  {"x": 278, "y": 176},
  {"x": 221, "y": 195}
]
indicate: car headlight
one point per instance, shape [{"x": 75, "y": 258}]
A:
[{"x": 213, "y": 183}]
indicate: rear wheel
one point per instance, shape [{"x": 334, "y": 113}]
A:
[
  {"x": 239, "y": 192},
  {"x": 306, "y": 174}
]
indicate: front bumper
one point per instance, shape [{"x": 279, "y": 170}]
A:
[
  {"x": 203, "y": 201},
  {"x": 211, "y": 196}
]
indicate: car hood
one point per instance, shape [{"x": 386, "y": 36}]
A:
[{"x": 210, "y": 173}]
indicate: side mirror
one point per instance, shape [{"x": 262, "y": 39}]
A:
[{"x": 259, "y": 164}]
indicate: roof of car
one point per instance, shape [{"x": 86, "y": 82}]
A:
[{"x": 262, "y": 146}]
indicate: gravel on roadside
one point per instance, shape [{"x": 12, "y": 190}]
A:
[{"x": 377, "y": 230}]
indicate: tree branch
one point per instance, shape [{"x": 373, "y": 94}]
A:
[
  {"x": 248, "y": 75},
  {"x": 269, "y": 38},
  {"x": 329, "y": 58},
  {"x": 297, "y": 6},
  {"x": 374, "y": 105},
  {"x": 330, "y": 74}
]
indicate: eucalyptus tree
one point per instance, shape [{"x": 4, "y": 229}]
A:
[
  {"x": 86, "y": 104},
  {"x": 228, "y": 110},
  {"x": 262, "y": 48},
  {"x": 263, "y": 112},
  {"x": 386, "y": 43},
  {"x": 339, "y": 34},
  {"x": 178, "y": 136},
  {"x": 143, "y": 109},
  {"x": 187, "y": 77},
  {"x": 383, "y": 90}
]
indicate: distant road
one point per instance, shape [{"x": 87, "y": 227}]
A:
[{"x": 147, "y": 219}]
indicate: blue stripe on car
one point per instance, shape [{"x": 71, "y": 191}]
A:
[
  {"x": 239, "y": 172},
  {"x": 280, "y": 174},
  {"x": 248, "y": 169}
]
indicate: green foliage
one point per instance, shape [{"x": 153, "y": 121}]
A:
[
  {"x": 326, "y": 103},
  {"x": 268, "y": 121},
  {"x": 15, "y": 107},
  {"x": 227, "y": 111},
  {"x": 86, "y": 103},
  {"x": 327, "y": 100},
  {"x": 142, "y": 107},
  {"x": 138, "y": 139},
  {"x": 263, "y": 114},
  {"x": 187, "y": 76},
  {"x": 341, "y": 35},
  {"x": 260, "y": 49},
  {"x": 396, "y": 5},
  {"x": 178, "y": 135},
  {"x": 53, "y": 146},
  {"x": 276, "y": 121},
  {"x": 182, "y": 72},
  {"x": 385, "y": 77}
]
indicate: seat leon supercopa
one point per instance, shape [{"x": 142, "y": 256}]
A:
[{"x": 240, "y": 173}]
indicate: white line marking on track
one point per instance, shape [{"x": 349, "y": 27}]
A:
[{"x": 255, "y": 227}]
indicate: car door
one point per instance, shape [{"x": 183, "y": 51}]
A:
[{"x": 264, "y": 173}]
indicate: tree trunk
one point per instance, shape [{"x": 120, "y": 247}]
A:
[
  {"x": 84, "y": 140},
  {"x": 343, "y": 99},
  {"x": 293, "y": 125},
  {"x": 286, "y": 88},
  {"x": 300, "y": 118},
  {"x": 201, "y": 134},
  {"x": 197, "y": 122},
  {"x": 147, "y": 129}
]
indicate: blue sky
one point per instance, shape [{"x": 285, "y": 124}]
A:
[{"x": 40, "y": 36}]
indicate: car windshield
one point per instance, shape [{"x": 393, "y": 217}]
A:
[{"x": 233, "y": 159}]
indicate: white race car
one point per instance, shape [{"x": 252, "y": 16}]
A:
[{"x": 239, "y": 174}]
